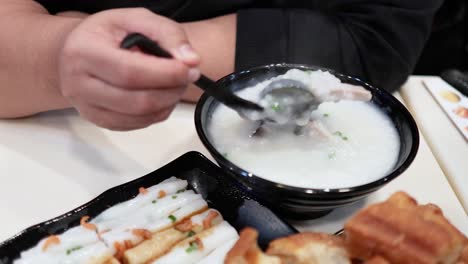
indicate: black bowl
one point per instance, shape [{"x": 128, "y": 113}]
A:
[{"x": 306, "y": 203}]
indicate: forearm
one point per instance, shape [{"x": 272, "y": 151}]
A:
[
  {"x": 29, "y": 58},
  {"x": 215, "y": 41}
]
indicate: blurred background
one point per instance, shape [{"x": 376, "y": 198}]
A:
[{"x": 447, "y": 47}]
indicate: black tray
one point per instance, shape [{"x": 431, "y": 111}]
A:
[{"x": 217, "y": 188}]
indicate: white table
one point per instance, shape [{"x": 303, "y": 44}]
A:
[
  {"x": 54, "y": 162},
  {"x": 447, "y": 144}
]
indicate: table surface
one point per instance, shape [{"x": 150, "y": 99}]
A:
[
  {"x": 447, "y": 144},
  {"x": 54, "y": 162}
]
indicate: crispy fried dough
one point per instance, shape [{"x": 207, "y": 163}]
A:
[
  {"x": 246, "y": 250},
  {"x": 397, "y": 231},
  {"x": 112, "y": 261},
  {"x": 403, "y": 232},
  {"x": 376, "y": 260},
  {"x": 309, "y": 248},
  {"x": 463, "y": 259}
]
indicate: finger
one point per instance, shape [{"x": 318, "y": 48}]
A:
[
  {"x": 168, "y": 33},
  {"x": 120, "y": 122},
  {"x": 141, "y": 102},
  {"x": 133, "y": 70}
]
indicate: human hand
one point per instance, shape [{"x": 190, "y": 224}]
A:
[{"x": 120, "y": 89}]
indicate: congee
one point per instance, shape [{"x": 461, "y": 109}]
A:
[{"x": 346, "y": 143}]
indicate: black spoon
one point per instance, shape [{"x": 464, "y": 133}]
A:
[{"x": 224, "y": 96}]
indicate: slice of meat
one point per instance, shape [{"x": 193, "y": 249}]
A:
[{"x": 346, "y": 92}]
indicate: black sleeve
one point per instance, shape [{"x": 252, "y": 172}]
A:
[{"x": 377, "y": 40}]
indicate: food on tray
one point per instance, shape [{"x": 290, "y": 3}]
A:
[
  {"x": 461, "y": 112},
  {"x": 347, "y": 143},
  {"x": 310, "y": 248},
  {"x": 302, "y": 248},
  {"x": 450, "y": 96},
  {"x": 165, "y": 223},
  {"x": 246, "y": 251},
  {"x": 376, "y": 260},
  {"x": 464, "y": 256},
  {"x": 402, "y": 231},
  {"x": 396, "y": 231}
]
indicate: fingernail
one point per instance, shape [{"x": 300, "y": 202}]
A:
[
  {"x": 193, "y": 74},
  {"x": 186, "y": 52}
]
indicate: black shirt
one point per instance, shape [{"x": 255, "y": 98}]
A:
[{"x": 376, "y": 40}]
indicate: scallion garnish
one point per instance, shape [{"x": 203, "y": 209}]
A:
[
  {"x": 276, "y": 107},
  {"x": 340, "y": 134},
  {"x": 173, "y": 218},
  {"x": 154, "y": 201},
  {"x": 174, "y": 196},
  {"x": 193, "y": 246},
  {"x": 190, "y": 233},
  {"x": 71, "y": 250}
]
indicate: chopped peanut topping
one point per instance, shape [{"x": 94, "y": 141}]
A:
[{"x": 51, "y": 240}]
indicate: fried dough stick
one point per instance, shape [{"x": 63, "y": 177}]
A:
[
  {"x": 403, "y": 232},
  {"x": 246, "y": 250}
]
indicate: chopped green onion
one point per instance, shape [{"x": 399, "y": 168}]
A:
[
  {"x": 193, "y": 247},
  {"x": 71, "y": 250},
  {"x": 173, "y": 218},
  {"x": 332, "y": 155},
  {"x": 326, "y": 115},
  {"x": 174, "y": 196},
  {"x": 154, "y": 201},
  {"x": 338, "y": 133},
  {"x": 190, "y": 233},
  {"x": 181, "y": 190},
  {"x": 276, "y": 107}
]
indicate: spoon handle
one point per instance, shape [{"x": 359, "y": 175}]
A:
[{"x": 148, "y": 46}]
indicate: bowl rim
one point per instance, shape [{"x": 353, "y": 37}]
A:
[{"x": 322, "y": 192}]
